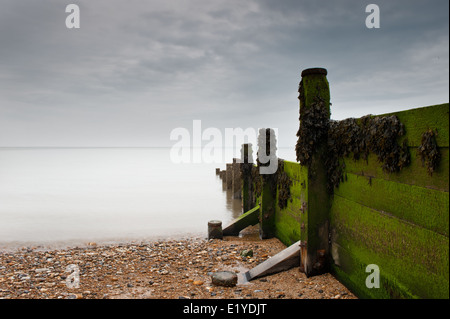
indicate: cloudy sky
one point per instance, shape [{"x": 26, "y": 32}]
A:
[{"x": 137, "y": 69}]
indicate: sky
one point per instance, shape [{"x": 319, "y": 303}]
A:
[{"x": 136, "y": 70}]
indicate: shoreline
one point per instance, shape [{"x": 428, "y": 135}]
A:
[
  {"x": 67, "y": 244},
  {"x": 177, "y": 268}
]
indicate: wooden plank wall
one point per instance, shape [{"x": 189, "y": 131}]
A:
[{"x": 398, "y": 221}]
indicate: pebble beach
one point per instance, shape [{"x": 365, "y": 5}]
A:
[{"x": 164, "y": 269}]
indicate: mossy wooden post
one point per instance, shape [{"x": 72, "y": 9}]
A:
[
  {"x": 267, "y": 212},
  {"x": 246, "y": 176},
  {"x": 314, "y": 92},
  {"x": 267, "y": 145}
]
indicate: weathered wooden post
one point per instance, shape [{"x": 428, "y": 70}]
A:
[
  {"x": 229, "y": 174},
  {"x": 311, "y": 151},
  {"x": 215, "y": 229},
  {"x": 236, "y": 176},
  {"x": 246, "y": 176},
  {"x": 268, "y": 166}
]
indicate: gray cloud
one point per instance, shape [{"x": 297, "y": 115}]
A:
[{"x": 135, "y": 70}]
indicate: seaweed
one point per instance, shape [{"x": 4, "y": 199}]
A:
[
  {"x": 376, "y": 135},
  {"x": 429, "y": 151},
  {"x": 350, "y": 137}
]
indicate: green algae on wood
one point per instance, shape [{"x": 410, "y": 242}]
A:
[
  {"x": 402, "y": 250},
  {"x": 419, "y": 120},
  {"x": 414, "y": 174},
  {"x": 311, "y": 149},
  {"x": 427, "y": 208},
  {"x": 291, "y": 221}
]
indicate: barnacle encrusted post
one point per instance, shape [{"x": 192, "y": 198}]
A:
[
  {"x": 311, "y": 151},
  {"x": 268, "y": 166},
  {"x": 246, "y": 176}
]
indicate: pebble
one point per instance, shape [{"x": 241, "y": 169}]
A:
[
  {"x": 224, "y": 278},
  {"x": 247, "y": 253}
]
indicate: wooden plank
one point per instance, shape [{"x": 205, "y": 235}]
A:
[
  {"x": 424, "y": 207},
  {"x": 350, "y": 271},
  {"x": 284, "y": 260},
  {"x": 249, "y": 218},
  {"x": 419, "y": 120},
  {"x": 299, "y": 190},
  {"x": 287, "y": 226},
  {"x": 414, "y": 174},
  {"x": 296, "y": 171},
  {"x": 412, "y": 256}
]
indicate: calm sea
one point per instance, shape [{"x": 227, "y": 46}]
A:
[{"x": 66, "y": 196}]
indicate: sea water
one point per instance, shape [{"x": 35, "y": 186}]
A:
[{"x": 79, "y": 195}]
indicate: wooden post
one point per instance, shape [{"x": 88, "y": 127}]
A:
[
  {"x": 229, "y": 175},
  {"x": 267, "y": 143},
  {"x": 315, "y": 93},
  {"x": 236, "y": 176},
  {"x": 246, "y": 177},
  {"x": 215, "y": 229}
]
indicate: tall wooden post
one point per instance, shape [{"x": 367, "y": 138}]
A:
[
  {"x": 246, "y": 176},
  {"x": 229, "y": 172},
  {"x": 236, "y": 175},
  {"x": 315, "y": 108},
  {"x": 267, "y": 145}
]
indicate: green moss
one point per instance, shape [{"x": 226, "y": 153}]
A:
[
  {"x": 352, "y": 273},
  {"x": 289, "y": 219},
  {"x": 422, "y": 206},
  {"x": 313, "y": 86},
  {"x": 415, "y": 257},
  {"x": 267, "y": 212}
]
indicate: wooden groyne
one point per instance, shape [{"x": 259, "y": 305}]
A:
[{"x": 364, "y": 192}]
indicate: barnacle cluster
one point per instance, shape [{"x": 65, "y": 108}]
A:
[
  {"x": 313, "y": 130},
  {"x": 359, "y": 138},
  {"x": 429, "y": 151}
]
